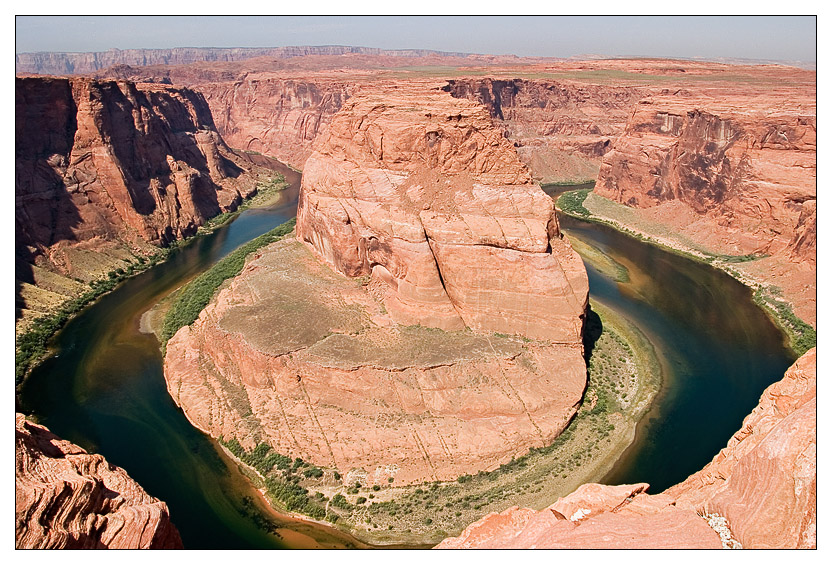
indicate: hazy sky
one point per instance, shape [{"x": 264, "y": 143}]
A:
[{"x": 788, "y": 38}]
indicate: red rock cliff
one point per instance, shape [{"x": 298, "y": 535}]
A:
[
  {"x": 274, "y": 115},
  {"x": 419, "y": 190},
  {"x": 758, "y": 492},
  {"x": 111, "y": 159},
  {"x": 66, "y": 498},
  {"x": 105, "y": 169},
  {"x": 560, "y": 129},
  {"x": 747, "y": 161}
]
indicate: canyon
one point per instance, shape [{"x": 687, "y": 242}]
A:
[
  {"x": 428, "y": 315},
  {"x": 416, "y": 198},
  {"x": 106, "y": 172},
  {"x": 653, "y": 133},
  {"x": 759, "y": 492},
  {"x": 66, "y": 498}
]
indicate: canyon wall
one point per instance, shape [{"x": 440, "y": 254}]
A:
[
  {"x": 66, "y": 498},
  {"x": 104, "y": 170},
  {"x": 422, "y": 203},
  {"x": 748, "y": 162},
  {"x": 275, "y": 116},
  {"x": 560, "y": 129},
  {"x": 760, "y": 491}
]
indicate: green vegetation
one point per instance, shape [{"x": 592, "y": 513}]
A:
[
  {"x": 572, "y": 202},
  {"x": 802, "y": 336},
  {"x": 266, "y": 190},
  {"x": 196, "y": 295},
  {"x": 280, "y": 478},
  {"x": 31, "y": 346}
]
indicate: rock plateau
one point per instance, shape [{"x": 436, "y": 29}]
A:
[
  {"x": 760, "y": 491},
  {"x": 416, "y": 214},
  {"x": 66, "y": 498}
]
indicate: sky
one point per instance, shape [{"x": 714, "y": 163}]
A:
[{"x": 781, "y": 38}]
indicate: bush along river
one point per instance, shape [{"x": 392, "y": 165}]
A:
[{"x": 103, "y": 387}]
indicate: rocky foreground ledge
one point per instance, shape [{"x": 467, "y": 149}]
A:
[
  {"x": 66, "y": 498},
  {"x": 758, "y": 492}
]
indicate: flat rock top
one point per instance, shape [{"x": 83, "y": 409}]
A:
[{"x": 286, "y": 301}]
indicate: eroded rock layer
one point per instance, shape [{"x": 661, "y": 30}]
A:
[
  {"x": 418, "y": 190},
  {"x": 293, "y": 354},
  {"x": 439, "y": 229},
  {"x": 105, "y": 169},
  {"x": 759, "y": 492},
  {"x": 747, "y": 163},
  {"x": 66, "y": 498},
  {"x": 561, "y": 129}
]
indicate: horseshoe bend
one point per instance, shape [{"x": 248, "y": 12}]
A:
[
  {"x": 508, "y": 302},
  {"x": 426, "y": 321}
]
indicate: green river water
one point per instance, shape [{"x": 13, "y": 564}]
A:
[{"x": 103, "y": 388}]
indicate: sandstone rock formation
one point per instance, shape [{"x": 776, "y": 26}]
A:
[
  {"x": 418, "y": 195},
  {"x": 759, "y": 492},
  {"x": 765, "y": 480},
  {"x": 733, "y": 172},
  {"x": 105, "y": 168},
  {"x": 420, "y": 191},
  {"x": 748, "y": 162},
  {"x": 66, "y": 498},
  {"x": 561, "y": 129}
]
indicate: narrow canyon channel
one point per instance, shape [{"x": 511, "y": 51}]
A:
[{"x": 103, "y": 388}]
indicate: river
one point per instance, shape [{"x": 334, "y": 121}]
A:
[{"x": 104, "y": 389}]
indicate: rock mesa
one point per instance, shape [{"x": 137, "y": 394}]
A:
[
  {"x": 420, "y": 191},
  {"x": 452, "y": 344}
]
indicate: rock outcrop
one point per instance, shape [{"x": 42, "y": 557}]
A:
[
  {"x": 759, "y": 492},
  {"x": 560, "y": 129},
  {"x": 66, "y": 498},
  {"x": 747, "y": 163},
  {"x": 424, "y": 206},
  {"x": 107, "y": 169},
  {"x": 420, "y": 191}
]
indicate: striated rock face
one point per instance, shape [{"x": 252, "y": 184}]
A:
[
  {"x": 747, "y": 163},
  {"x": 106, "y": 159},
  {"x": 273, "y": 115},
  {"x": 560, "y": 129},
  {"x": 66, "y": 498},
  {"x": 424, "y": 206},
  {"x": 765, "y": 480},
  {"x": 105, "y": 169},
  {"x": 764, "y": 483},
  {"x": 420, "y": 191}
]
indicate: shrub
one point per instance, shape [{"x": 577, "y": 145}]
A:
[{"x": 195, "y": 296}]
